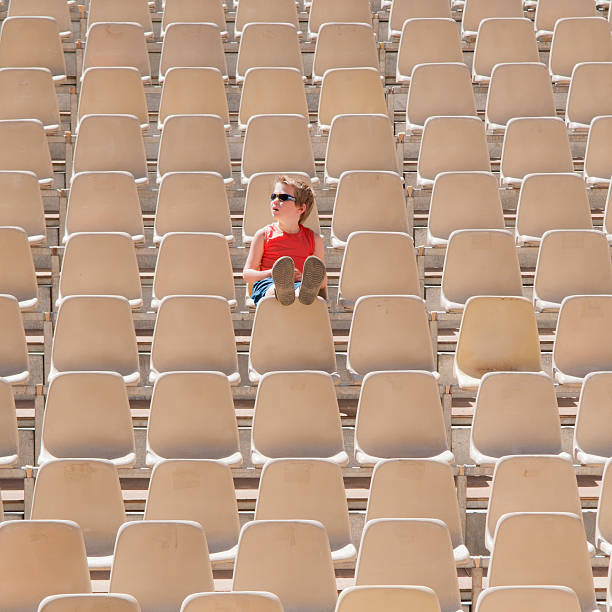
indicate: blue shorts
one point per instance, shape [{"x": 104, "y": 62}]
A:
[{"x": 261, "y": 286}]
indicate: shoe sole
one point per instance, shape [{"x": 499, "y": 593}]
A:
[
  {"x": 282, "y": 275},
  {"x": 312, "y": 277}
]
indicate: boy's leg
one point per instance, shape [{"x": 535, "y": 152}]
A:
[
  {"x": 282, "y": 274},
  {"x": 312, "y": 277}
]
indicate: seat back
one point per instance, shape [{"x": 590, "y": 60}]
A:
[
  {"x": 597, "y": 165},
  {"x": 475, "y": 11},
  {"x": 590, "y": 93},
  {"x": 14, "y": 364},
  {"x": 545, "y": 598},
  {"x": 18, "y": 278},
  {"x": 58, "y": 9},
  {"x": 194, "y": 11},
  {"x": 340, "y": 11},
  {"x": 9, "y": 437},
  {"x": 24, "y": 146},
  {"x": 108, "y": 11},
  {"x": 254, "y": 601},
  {"x": 548, "y": 12},
  {"x": 594, "y": 417},
  {"x": 91, "y": 602},
  {"x": 402, "y": 10},
  {"x": 21, "y": 203},
  {"x": 265, "y": 11}
]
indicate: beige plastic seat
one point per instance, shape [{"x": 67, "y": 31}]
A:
[
  {"x": 14, "y": 364},
  {"x": 590, "y": 94},
  {"x": 402, "y": 10},
  {"x": 476, "y": 11},
  {"x": 100, "y": 427},
  {"x": 21, "y": 204},
  {"x": 160, "y": 563},
  {"x": 427, "y": 41},
  {"x": 123, "y": 148},
  {"x": 504, "y": 102},
  {"x": 9, "y": 436},
  {"x": 360, "y": 142},
  {"x": 368, "y": 200},
  {"x": 114, "y": 11},
  {"x": 291, "y": 559},
  {"x": 603, "y": 531},
  {"x": 340, "y": 11},
  {"x": 192, "y": 45},
  {"x": 438, "y": 90},
  {"x": 92, "y": 602},
  {"x": 502, "y": 41},
  {"x": 24, "y": 147},
  {"x": 407, "y": 551},
  {"x": 27, "y": 42},
  {"x": 577, "y": 40},
  {"x": 253, "y": 601},
  {"x": 544, "y": 598},
  {"x": 100, "y": 264},
  {"x": 296, "y": 415},
  {"x": 95, "y": 333},
  {"x": 192, "y": 417},
  {"x": 417, "y": 488},
  {"x": 58, "y": 9},
  {"x": 534, "y": 144},
  {"x": 201, "y": 491},
  {"x": 88, "y": 492},
  {"x": 262, "y": 152},
  {"x": 259, "y": 45},
  {"x": 29, "y": 93},
  {"x": 516, "y": 413},
  {"x": 607, "y": 223},
  {"x": 497, "y": 334},
  {"x": 548, "y": 12},
  {"x": 40, "y": 558},
  {"x": 194, "y": 333},
  {"x": 369, "y": 267},
  {"x": 113, "y": 91},
  {"x": 452, "y": 144},
  {"x": 192, "y": 202},
  {"x": 583, "y": 343},
  {"x": 344, "y": 45},
  {"x": 310, "y": 489},
  {"x": 389, "y": 332},
  {"x": 390, "y": 598},
  {"x": 193, "y": 91},
  {"x": 533, "y": 548},
  {"x": 597, "y": 165},
  {"x": 104, "y": 202},
  {"x": 194, "y": 11},
  {"x": 265, "y": 11},
  {"x": 17, "y": 273},
  {"x": 117, "y": 44}
]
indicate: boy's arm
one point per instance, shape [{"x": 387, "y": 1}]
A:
[
  {"x": 319, "y": 251},
  {"x": 251, "y": 272}
]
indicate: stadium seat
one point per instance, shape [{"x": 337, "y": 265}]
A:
[
  {"x": 113, "y": 91},
  {"x": 369, "y": 267},
  {"x": 24, "y": 147},
  {"x": 41, "y": 558},
  {"x": 479, "y": 262},
  {"x": 590, "y": 94},
  {"x": 603, "y": 527},
  {"x": 402, "y": 10},
  {"x": 497, "y": 334},
  {"x": 160, "y": 563},
  {"x": 360, "y": 142},
  {"x": 90, "y": 602},
  {"x": 265, "y": 11},
  {"x": 192, "y": 202},
  {"x": 551, "y": 201},
  {"x": 291, "y": 559},
  {"x": 389, "y": 332},
  {"x": 451, "y": 144},
  {"x": 417, "y": 488},
  {"x": 9, "y": 436},
  {"x": 253, "y": 601},
  {"x": 88, "y": 492},
  {"x": 17, "y": 274},
  {"x": 548, "y": 12},
  {"x": 21, "y": 204},
  {"x": 339, "y": 11},
  {"x": 476, "y": 11},
  {"x": 104, "y": 202},
  {"x": 309, "y": 489},
  {"x": 463, "y": 200},
  {"x": 117, "y": 44},
  {"x": 100, "y": 264},
  {"x": 583, "y": 343},
  {"x": 386, "y": 558},
  {"x": 192, "y": 417},
  {"x": 427, "y": 41},
  {"x": 114, "y": 11},
  {"x": 543, "y": 598},
  {"x": 14, "y": 364},
  {"x": 296, "y": 415},
  {"x": 58, "y": 9},
  {"x": 400, "y": 415},
  {"x": 389, "y": 598},
  {"x": 516, "y": 413},
  {"x": 95, "y": 333},
  {"x": 194, "y": 11},
  {"x": 597, "y": 164},
  {"x": 102, "y": 427}
]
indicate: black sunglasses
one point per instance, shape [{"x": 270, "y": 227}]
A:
[{"x": 283, "y": 197}]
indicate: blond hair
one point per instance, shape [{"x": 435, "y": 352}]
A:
[{"x": 303, "y": 193}]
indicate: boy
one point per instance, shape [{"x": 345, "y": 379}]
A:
[{"x": 286, "y": 258}]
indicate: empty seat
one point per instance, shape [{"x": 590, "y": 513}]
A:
[
  {"x": 390, "y": 598},
  {"x": 597, "y": 164},
  {"x": 417, "y": 488},
  {"x": 9, "y": 436},
  {"x": 91, "y": 602},
  {"x": 590, "y": 94},
  {"x": 113, "y": 11},
  {"x": 24, "y": 147},
  {"x": 194, "y": 333},
  {"x": 100, "y": 427},
  {"x": 95, "y": 333},
  {"x": 451, "y": 144},
  {"x": 100, "y": 264},
  {"x": 402, "y": 10},
  {"x": 544, "y": 598},
  {"x": 340, "y": 11},
  {"x": 21, "y": 204},
  {"x": 201, "y": 491},
  {"x": 296, "y": 415},
  {"x": 369, "y": 267},
  {"x": 368, "y": 200},
  {"x": 291, "y": 559},
  {"x": 550, "y": 201},
  {"x": 310, "y": 489},
  {"x": 497, "y": 334},
  {"x": 389, "y": 332},
  {"x": 117, "y": 44},
  {"x": 603, "y": 531},
  {"x": 548, "y": 12},
  {"x": 88, "y": 492},
  {"x": 534, "y": 144},
  {"x": 27, "y": 42},
  {"x": 14, "y": 364},
  {"x": 194, "y": 11},
  {"x": 17, "y": 273},
  {"x": 360, "y": 142},
  {"x": 58, "y": 9},
  {"x": 516, "y": 413},
  {"x": 463, "y": 200},
  {"x": 265, "y": 11},
  {"x": 192, "y": 417},
  {"x": 475, "y": 11},
  {"x": 505, "y": 103},
  {"x": 253, "y": 601},
  {"x": 427, "y": 41},
  {"x": 160, "y": 563},
  {"x": 41, "y": 558}
]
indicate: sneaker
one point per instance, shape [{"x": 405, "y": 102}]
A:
[
  {"x": 312, "y": 277},
  {"x": 282, "y": 275}
]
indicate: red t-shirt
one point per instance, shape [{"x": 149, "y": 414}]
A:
[{"x": 277, "y": 244}]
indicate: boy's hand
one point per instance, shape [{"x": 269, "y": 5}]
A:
[{"x": 297, "y": 275}]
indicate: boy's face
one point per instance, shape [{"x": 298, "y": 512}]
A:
[{"x": 288, "y": 210}]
